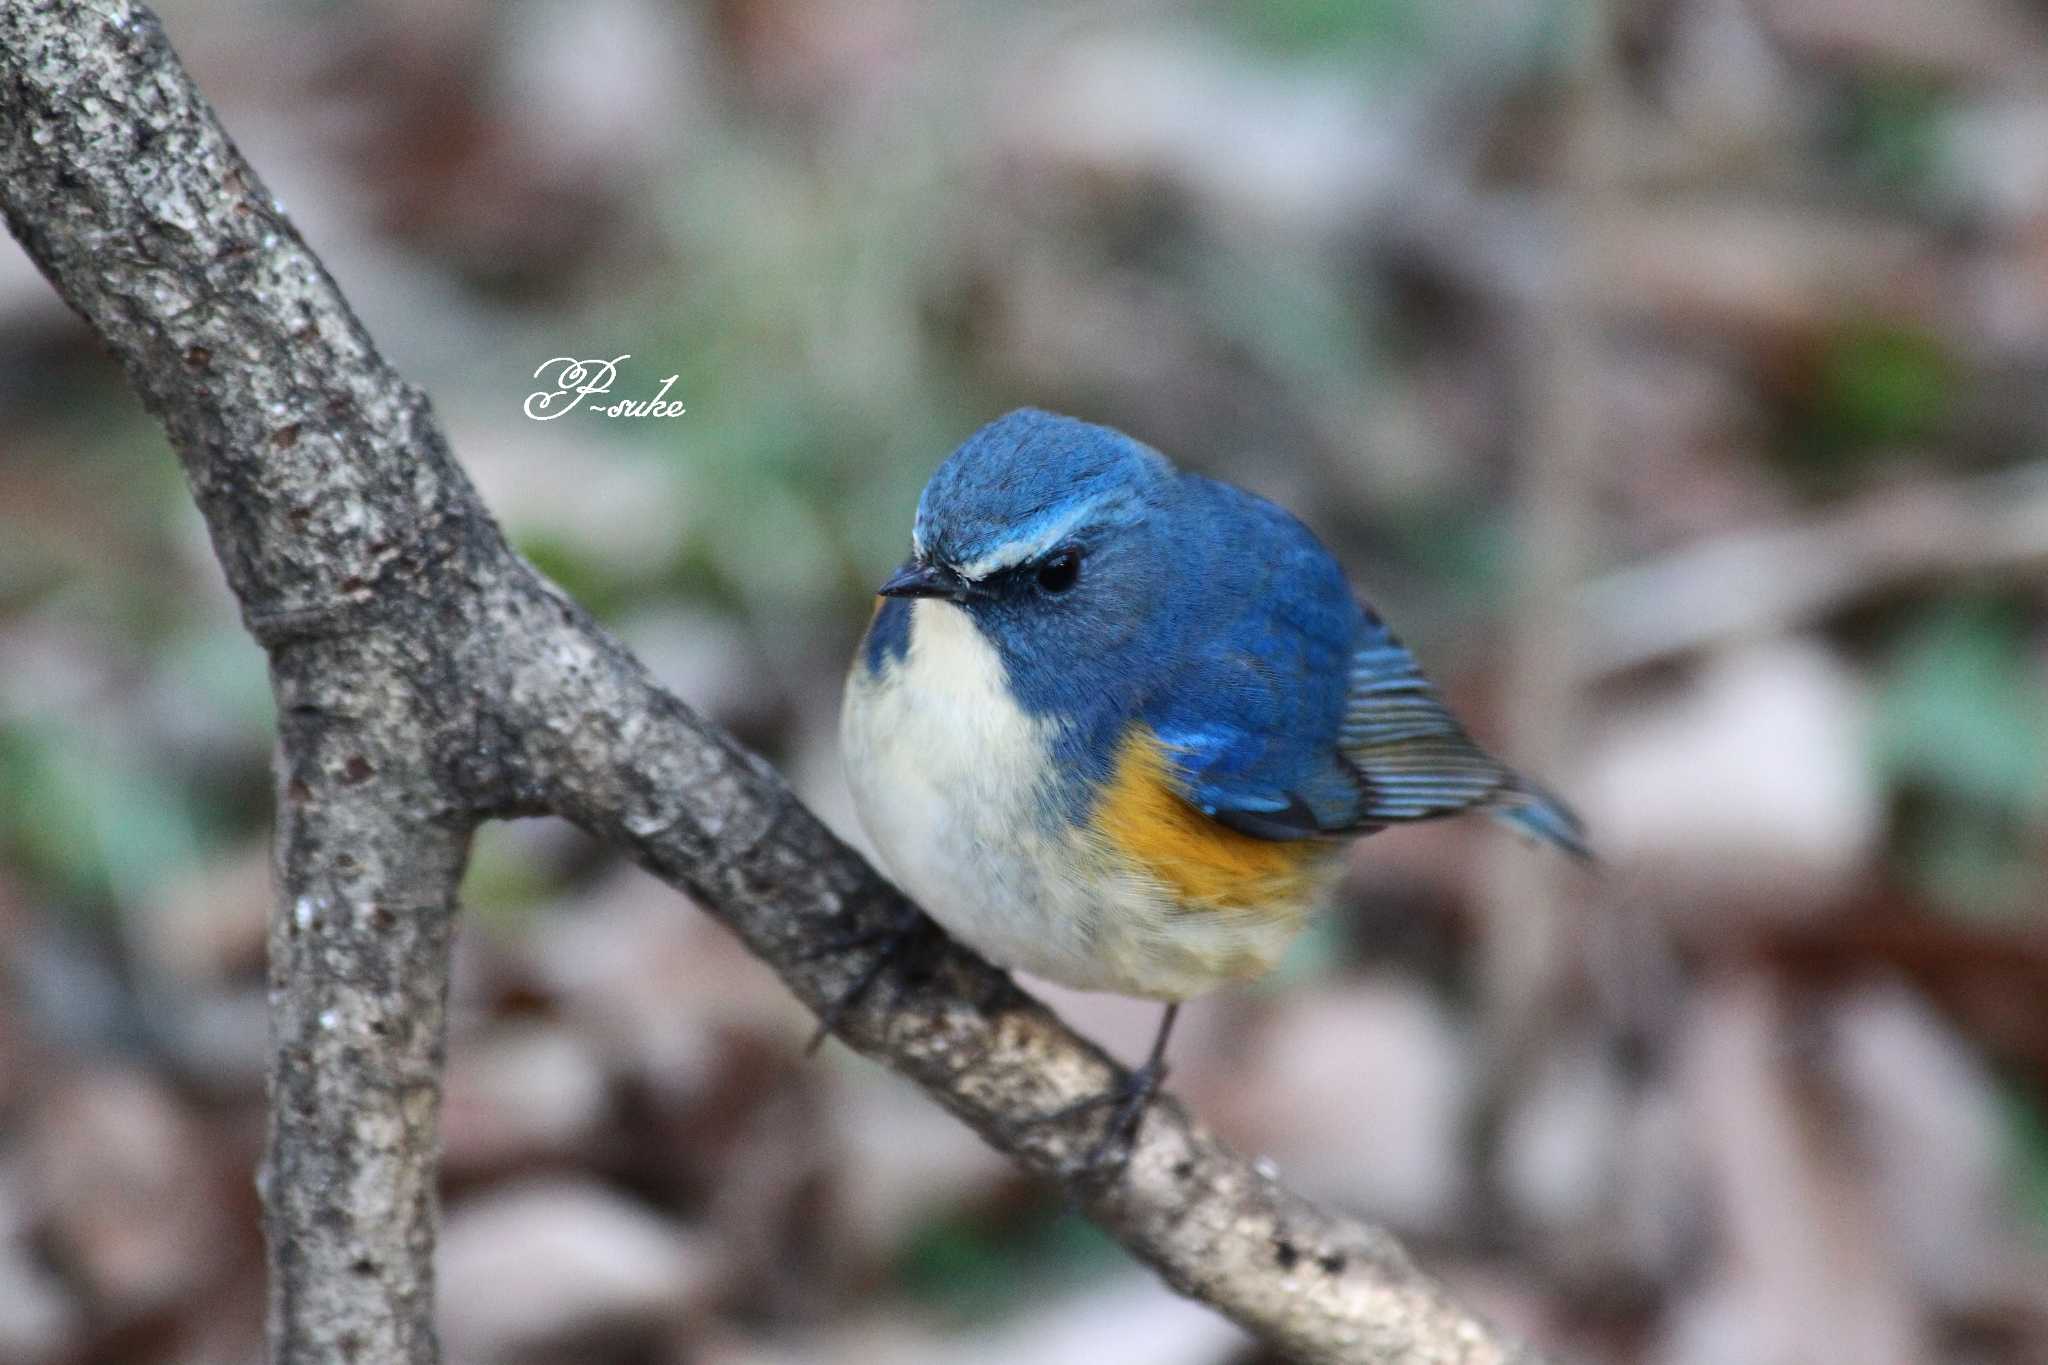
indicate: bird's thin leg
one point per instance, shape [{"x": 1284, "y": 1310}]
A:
[
  {"x": 1129, "y": 1096},
  {"x": 1156, "y": 1063},
  {"x": 911, "y": 931}
]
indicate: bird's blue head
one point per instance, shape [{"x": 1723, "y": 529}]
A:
[
  {"x": 1057, "y": 538},
  {"x": 1026, "y": 484}
]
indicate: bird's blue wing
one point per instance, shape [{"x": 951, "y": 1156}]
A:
[
  {"x": 1305, "y": 716},
  {"x": 1251, "y": 716},
  {"x": 1250, "y": 730}
]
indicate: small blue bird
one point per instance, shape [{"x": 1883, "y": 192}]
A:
[{"x": 1113, "y": 724}]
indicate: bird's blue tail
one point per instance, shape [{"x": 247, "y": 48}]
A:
[{"x": 1533, "y": 811}]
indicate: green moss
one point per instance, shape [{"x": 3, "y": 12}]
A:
[
  {"x": 1962, "y": 737},
  {"x": 1879, "y": 386},
  {"x": 975, "y": 1269}
]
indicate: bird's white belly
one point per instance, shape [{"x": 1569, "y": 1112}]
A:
[{"x": 952, "y": 781}]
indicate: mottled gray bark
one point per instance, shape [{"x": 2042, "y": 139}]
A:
[{"x": 427, "y": 679}]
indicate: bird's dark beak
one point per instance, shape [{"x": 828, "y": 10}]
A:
[{"x": 917, "y": 579}]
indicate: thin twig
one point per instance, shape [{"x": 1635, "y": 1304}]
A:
[{"x": 1761, "y": 583}]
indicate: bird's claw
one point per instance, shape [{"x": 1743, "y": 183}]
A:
[
  {"x": 909, "y": 932},
  {"x": 1127, "y": 1099}
]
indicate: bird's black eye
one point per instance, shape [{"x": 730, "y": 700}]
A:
[{"x": 1060, "y": 572}]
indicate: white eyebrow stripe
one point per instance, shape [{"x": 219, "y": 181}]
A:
[{"x": 1027, "y": 548}]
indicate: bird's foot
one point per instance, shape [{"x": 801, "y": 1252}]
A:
[
  {"x": 909, "y": 933},
  {"x": 1127, "y": 1099}
]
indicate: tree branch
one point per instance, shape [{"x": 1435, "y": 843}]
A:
[
  {"x": 427, "y": 678},
  {"x": 359, "y": 958}
]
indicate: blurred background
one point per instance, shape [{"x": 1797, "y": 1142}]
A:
[{"x": 1674, "y": 374}]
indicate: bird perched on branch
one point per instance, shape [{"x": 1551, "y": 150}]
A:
[{"x": 1114, "y": 724}]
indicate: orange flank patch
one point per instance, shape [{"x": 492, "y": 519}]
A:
[{"x": 1208, "y": 865}]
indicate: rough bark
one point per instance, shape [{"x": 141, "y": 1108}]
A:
[{"x": 427, "y": 678}]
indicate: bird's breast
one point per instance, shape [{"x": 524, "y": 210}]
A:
[
  {"x": 958, "y": 786},
  {"x": 955, "y": 784}
]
